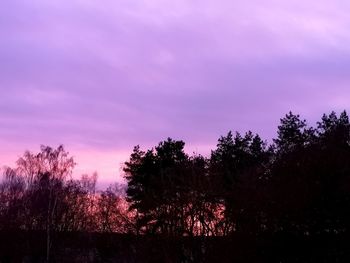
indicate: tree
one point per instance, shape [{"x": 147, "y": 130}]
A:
[
  {"x": 11, "y": 200},
  {"x": 292, "y": 133},
  {"x": 45, "y": 174},
  {"x": 309, "y": 184},
  {"x": 156, "y": 181},
  {"x": 236, "y": 163},
  {"x": 112, "y": 211}
]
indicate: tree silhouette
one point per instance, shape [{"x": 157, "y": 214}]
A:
[
  {"x": 307, "y": 188},
  {"x": 236, "y": 165},
  {"x": 155, "y": 184},
  {"x": 248, "y": 194}
]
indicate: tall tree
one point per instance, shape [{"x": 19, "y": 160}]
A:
[
  {"x": 292, "y": 133},
  {"x": 309, "y": 186},
  {"x": 156, "y": 181},
  {"x": 236, "y": 163}
]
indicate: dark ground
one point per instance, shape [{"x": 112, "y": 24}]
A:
[{"x": 94, "y": 247}]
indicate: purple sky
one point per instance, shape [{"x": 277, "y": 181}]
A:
[{"x": 103, "y": 76}]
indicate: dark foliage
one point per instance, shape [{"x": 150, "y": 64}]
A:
[{"x": 247, "y": 202}]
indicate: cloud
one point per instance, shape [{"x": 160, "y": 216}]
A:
[{"x": 104, "y": 76}]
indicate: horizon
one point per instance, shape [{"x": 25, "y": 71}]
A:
[{"x": 89, "y": 169}]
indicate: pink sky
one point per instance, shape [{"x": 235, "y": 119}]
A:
[{"x": 103, "y": 76}]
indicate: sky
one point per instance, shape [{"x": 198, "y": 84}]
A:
[{"x": 103, "y": 76}]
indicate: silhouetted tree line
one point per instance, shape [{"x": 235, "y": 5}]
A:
[
  {"x": 40, "y": 195},
  {"x": 298, "y": 185}
]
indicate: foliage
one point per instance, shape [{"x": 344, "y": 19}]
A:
[{"x": 299, "y": 184}]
